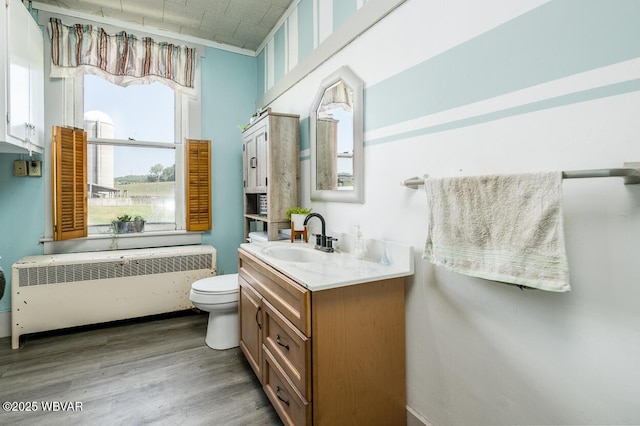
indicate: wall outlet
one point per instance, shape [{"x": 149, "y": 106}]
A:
[
  {"x": 20, "y": 168},
  {"x": 34, "y": 168}
]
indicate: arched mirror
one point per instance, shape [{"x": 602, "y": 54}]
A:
[{"x": 336, "y": 139}]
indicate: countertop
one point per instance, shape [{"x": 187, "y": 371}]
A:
[{"x": 339, "y": 269}]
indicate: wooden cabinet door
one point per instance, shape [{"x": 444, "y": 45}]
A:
[
  {"x": 262, "y": 152},
  {"x": 255, "y": 160},
  {"x": 19, "y": 78},
  {"x": 251, "y": 319},
  {"x": 25, "y": 78}
]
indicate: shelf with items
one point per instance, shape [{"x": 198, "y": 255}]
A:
[
  {"x": 256, "y": 204},
  {"x": 261, "y": 224}
]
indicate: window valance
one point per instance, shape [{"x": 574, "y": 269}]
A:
[{"x": 121, "y": 58}]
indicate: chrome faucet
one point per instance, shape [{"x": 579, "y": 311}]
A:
[{"x": 323, "y": 242}]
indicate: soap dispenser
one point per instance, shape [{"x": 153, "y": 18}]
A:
[{"x": 358, "y": 244}]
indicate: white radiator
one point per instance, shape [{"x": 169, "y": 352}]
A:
[{"x": 67, "y": 290}]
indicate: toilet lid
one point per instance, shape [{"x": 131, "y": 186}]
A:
[{"x": 220, "y": 284}]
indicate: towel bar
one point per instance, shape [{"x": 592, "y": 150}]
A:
[{"x": 631, "y": 175}]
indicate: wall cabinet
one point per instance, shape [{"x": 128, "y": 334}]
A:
[
  {"x": 271, "y": 163},
  {"x": 22, "y": 82},
  {"x": 328, "y": 357}
]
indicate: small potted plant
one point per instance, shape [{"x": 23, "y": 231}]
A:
[
  {"x": 297, "y": 215},
  {"x": 122, "y": 224},
  {"x": 138, "y": 223}
]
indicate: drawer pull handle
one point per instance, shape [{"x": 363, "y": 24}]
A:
[
  {"x": 258, "y": 322},
  {"x": 284, "y": 345},
  {"x": 286, "y": 401}
]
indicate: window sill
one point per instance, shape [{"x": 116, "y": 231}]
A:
[{"x": 103, "y": 242}]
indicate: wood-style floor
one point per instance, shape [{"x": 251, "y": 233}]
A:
[{"x": 153, "y": 372}]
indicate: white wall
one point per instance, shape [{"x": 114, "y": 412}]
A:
[{"x": 480, "y": 352}]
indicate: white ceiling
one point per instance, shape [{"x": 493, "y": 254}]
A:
[{"x": 239, "y": 23}]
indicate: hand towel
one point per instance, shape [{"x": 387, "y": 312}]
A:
[{"x": 506, "y": 228}]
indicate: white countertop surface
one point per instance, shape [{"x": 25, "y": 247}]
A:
[{"x": 338, "y": 269}]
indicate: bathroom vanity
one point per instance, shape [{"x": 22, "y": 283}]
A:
[{"x": 325, "y": 333}]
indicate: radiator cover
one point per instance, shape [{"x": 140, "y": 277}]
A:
[{"x": 66, "y": 290}]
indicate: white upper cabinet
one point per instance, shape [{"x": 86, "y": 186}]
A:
[
  {"x": 22, "y": 83},
  {"x": 256, "y": 159}
]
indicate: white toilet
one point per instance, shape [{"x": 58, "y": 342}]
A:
[{"x": 218, "y": 295}]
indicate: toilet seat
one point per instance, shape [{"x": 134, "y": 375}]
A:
[
  {"x": 215, "y": 290},
  {"x": 219, "y": 284}
]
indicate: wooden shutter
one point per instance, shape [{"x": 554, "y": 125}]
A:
[
  {"x": 69, "y": 160},
  {"x": 198, "y": 177}
]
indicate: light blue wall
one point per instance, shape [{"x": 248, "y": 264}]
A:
[
  {"x": 21, "y": 218},
  {"x": 342, "y": 10},
  {"x": 261, "y": 70},
  {"x": 305, "y": 143},
  {"x": 305, "y": 29},
  {"x": 572, "y": 36},
  {"x": 497, "y": 62},
  {"x": 228, "y": 100},
  {"x": 279, "y": 56}
]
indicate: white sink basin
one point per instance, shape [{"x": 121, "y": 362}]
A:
[{"x": 295, "y": 254}]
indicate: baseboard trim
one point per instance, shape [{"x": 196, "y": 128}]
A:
[
  {"x": 415, "y": 419},
  {"x": 5, "y": 324}
]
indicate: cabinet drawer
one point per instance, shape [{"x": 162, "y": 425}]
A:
[
  {"x": 292, "y": 408},
  {"x": 284, "y": 294},
  {"x": 289, "y": 347}
]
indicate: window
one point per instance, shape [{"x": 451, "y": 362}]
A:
[
  {"x": 131, "y": 154},
  {"x": 167, "y": 183},
  {"x": 151, "y": 123}
]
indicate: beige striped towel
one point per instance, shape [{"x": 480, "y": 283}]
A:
[{"x": 504, "y": 228}]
